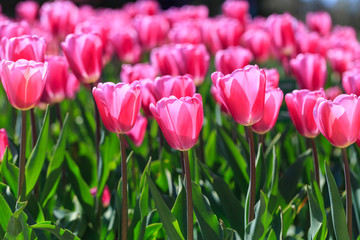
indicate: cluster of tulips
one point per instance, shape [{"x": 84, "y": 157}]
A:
[{"x": 49, "y": 51}]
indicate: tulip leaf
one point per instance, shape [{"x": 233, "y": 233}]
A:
[
  {"x": 337, "y": 209},
  {"x": 10, "y": 173},
  {"x": 168, "y": 220},
  {"x": 37, "y": 157},
  {"x": 54, "y": 169},
  {"x": 179, "y": 209},
  {"x": 152, "y": 231},
  {"x": 58, "y": 232},
  {"x": 209, "y": 224},
  {"x": 4, "y": 216},
  {"x": 17, "y": 227}
]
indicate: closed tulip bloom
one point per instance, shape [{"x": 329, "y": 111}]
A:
[
  {"x": 23, "y": 82},
  {"x": 28, "y": 47},
  {"x": 273, "y": 100},
  {"x": 147, "y": 96},
  {"x": 218, "y": 100},
  {"x": 340, "y": 60},
  {"x": 243, "y": 87},
  {"x": 186, "y": 12},
  {"x": 27, "y": 10},
  {"x": 300, "y": 104},
  {"x": 339, "y": 120},
  {"x": 180, "y": 120},
  {"x": 11, "y": 29},
  {"x": 168, "y": 60},
  {"x": 106, "y": 197},
  {"x": 227, "y": 60},
  {"x": 309, "y": 70},
  {"x": 312, "y": 42},
  {"x": 186, "y": 32},
  {"x": 272, "y": 78},
  {"x": 130, "y": 73},
  {"x": 319, "y": 22},
  {"x": 4, "y": 142},
  {"x": 118, "y": 104},
  {"x": 126, "y": 44},
  {"x": 236, "y": 9},
  {"x": 137, "y": 133},
  {"x": 258, "y": 41},
  {"x": 351, "y": 81},
  {"x": 179, "y": 86},
  {"x": 84, "y": 54}
]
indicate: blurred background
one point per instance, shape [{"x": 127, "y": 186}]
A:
[{"x": 343, "y": 12}]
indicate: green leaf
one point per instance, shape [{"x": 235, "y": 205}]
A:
[
  {"x": 337, "y": 209},
  {"x": 144, "y": 188},
  {"x": 152, "y": 231},
  {"x": 54, "y": 169},
  {"x": 209, "y": 225},
  {"x": 58, "y": 232},
  {"x": 168, "y": 220},
  {"x": 4, "y": 216},
  {"x": 10, "y": 173},
  {"x": 179, "y": 209},
  {"x": 37, "y": 157},
  {"x": 258, "y": 228},
  {"x": 17, "y": 227}
]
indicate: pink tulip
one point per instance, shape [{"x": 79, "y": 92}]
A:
[
  {"x": 4, "y": 142},
  {"x": 59, "y": 84},
  {"x": 137, "y": 133},
  {"x": 319, "y": 22},
  {"x": 332, "y": 92},
  {"x": 309, "y": 70},
  {"x": 152, "y": 30},
  {"x": 138, "y": 71},
  {"x": 168, "y": 60},
  {"x": 236, "y": 9},
  {"x": 180, "y": 120},
  {"x": 258, "y": 41},
  {"x": 273, "y": 100},
  {"x": 246, "y": 87},
  {"x": 106, "y": 196},
  {"x": 218, "y": 100},
  {"x": 300, "y": 104},
  {"x": 186, "y": 12},
  {"x": 23, "y": 82},
  {"x": 142, "y": 8},
  {"x": 186, "y": 32},
  {"x": 351, "y": 81},
  {"x": 339, "y": 120},
  {"x": 312, "y": 43},
  {"x": 25, "y": 47},
  {"x": 227, "y": 60},
  {"x": 147, "y": 96},
  {"x": 84, "y": 54},
  {"x": 272, "y": 78},
  {"x": 27, "y": 10},
  {"x": 340, "y": 60},
  {"x": 126, "y": 44},
  {"x": 179, "y": 86},
  {"x": 118, "y": 104},
  {"x": 13, "y": 29}
]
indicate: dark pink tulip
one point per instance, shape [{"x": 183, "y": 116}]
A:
[
  {"x": 152, "y": 30},
  {"x": 180, "y": 120},
  {"x": 218, "y": 100},
  {"x": 246, "y": 87},
  {"x": 236, "y": 9},
  {"x": 4, "y": 142},
  {"x": 59, "y": 84},
  {"x": 106, "y": 196},
  {"x": 137, "y": 133},
  {"x": 23, "y": 82},
  {"x": 168, "y": 60},
  {"x": 340, "y": 60},
  {"x": 258, "y": 41},
  {"x": 147, "y": 96},
  {"x": 351, "y": 81},
  {"x": 186, "y": 12},
  {"x": 178, "y": 86},
  {"x": 186, "y": 32},
  {"x": 309, "y": 70},
  {"x": 59, "y": 17},
  {"x": 28, "y": 47},
  {"x": 142, "y": 8},
  {"x": 339, "y": 120},
  {"x": 273, "y": 100},
  {"x": 300, "y": 104},
  {"x": 27, "y": 10},
  {"x": 130, "y": 73},
  {"x": 227, "y": 60},
  {"x": 126, "y": 44},
  {"x": 319, "y": 22},
  {"x": 14, "y": 29},
  {"x": 118, "y": 104},
  {"x": 332, "y": 92},
  {"x": 312, "y": 43},
  {"x": 272, "y": 78},
  {"x": 84, "y": 54}
]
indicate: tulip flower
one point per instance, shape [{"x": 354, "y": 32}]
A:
[
  {"x": 147, "y": 96},
  {"x": 232, "y": 58},
  {"x": 27, "y": 10},
  {"x": 309, "y": 71},
  {"x": 246, "y": 87},
  {"x": 339, "y": 122},
  {"x": 126, "y": 44},
  {"x": 186, "y": 32},
  {"x": 136, "y": 72},
  {"x": 340, "y": 60},
  {"x": 4, "y": 142},
  {"x": 273, "y": 100},
  {"x": 187, "y": 12},
  {"x": 119, "y": 105},
  {"x": 319, "y": 22},
  {"x": 272, "y": 78},
  {"x": 84, "y": 54},
  {"x": 312, "y": 42},
  {"x": 14, "y": 29},
  {"x": 236, "y": 9},
  {"x": 180, "y": 121},
  {"x": 25, "y": 47},
  {"x": 137, "y": 133},
  {"x": 351, "y": 81},
  {"x": 258, "y": 41},
  {"x": 142, "y": 8},
  {"x": 218, "y": 100},
  {"x": 106, "y": 196},
  {"x": 180, "y": 86}
]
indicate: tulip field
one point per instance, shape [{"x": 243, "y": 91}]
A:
[{"x": 144, "y": 123}]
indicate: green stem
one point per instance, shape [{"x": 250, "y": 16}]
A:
[
  {"x": 348, "y": 191},
  {"x": 124, "y": 209},
  {"x": 189, "y": 202},
  {"x": 201, "y": 150},
  {"x": 33, "y": 127},
  {"x": 22, "y": 153},
  {"x": 315, "y": 160},
  {"x": 252, "y": 174}
]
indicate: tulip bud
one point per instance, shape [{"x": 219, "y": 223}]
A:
[
  {"x": 180, "y": 86},
  {"x": 232, "y": 58},
  {"x": 137, "y": 133},
  {"x": 4, "y": 142}
]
